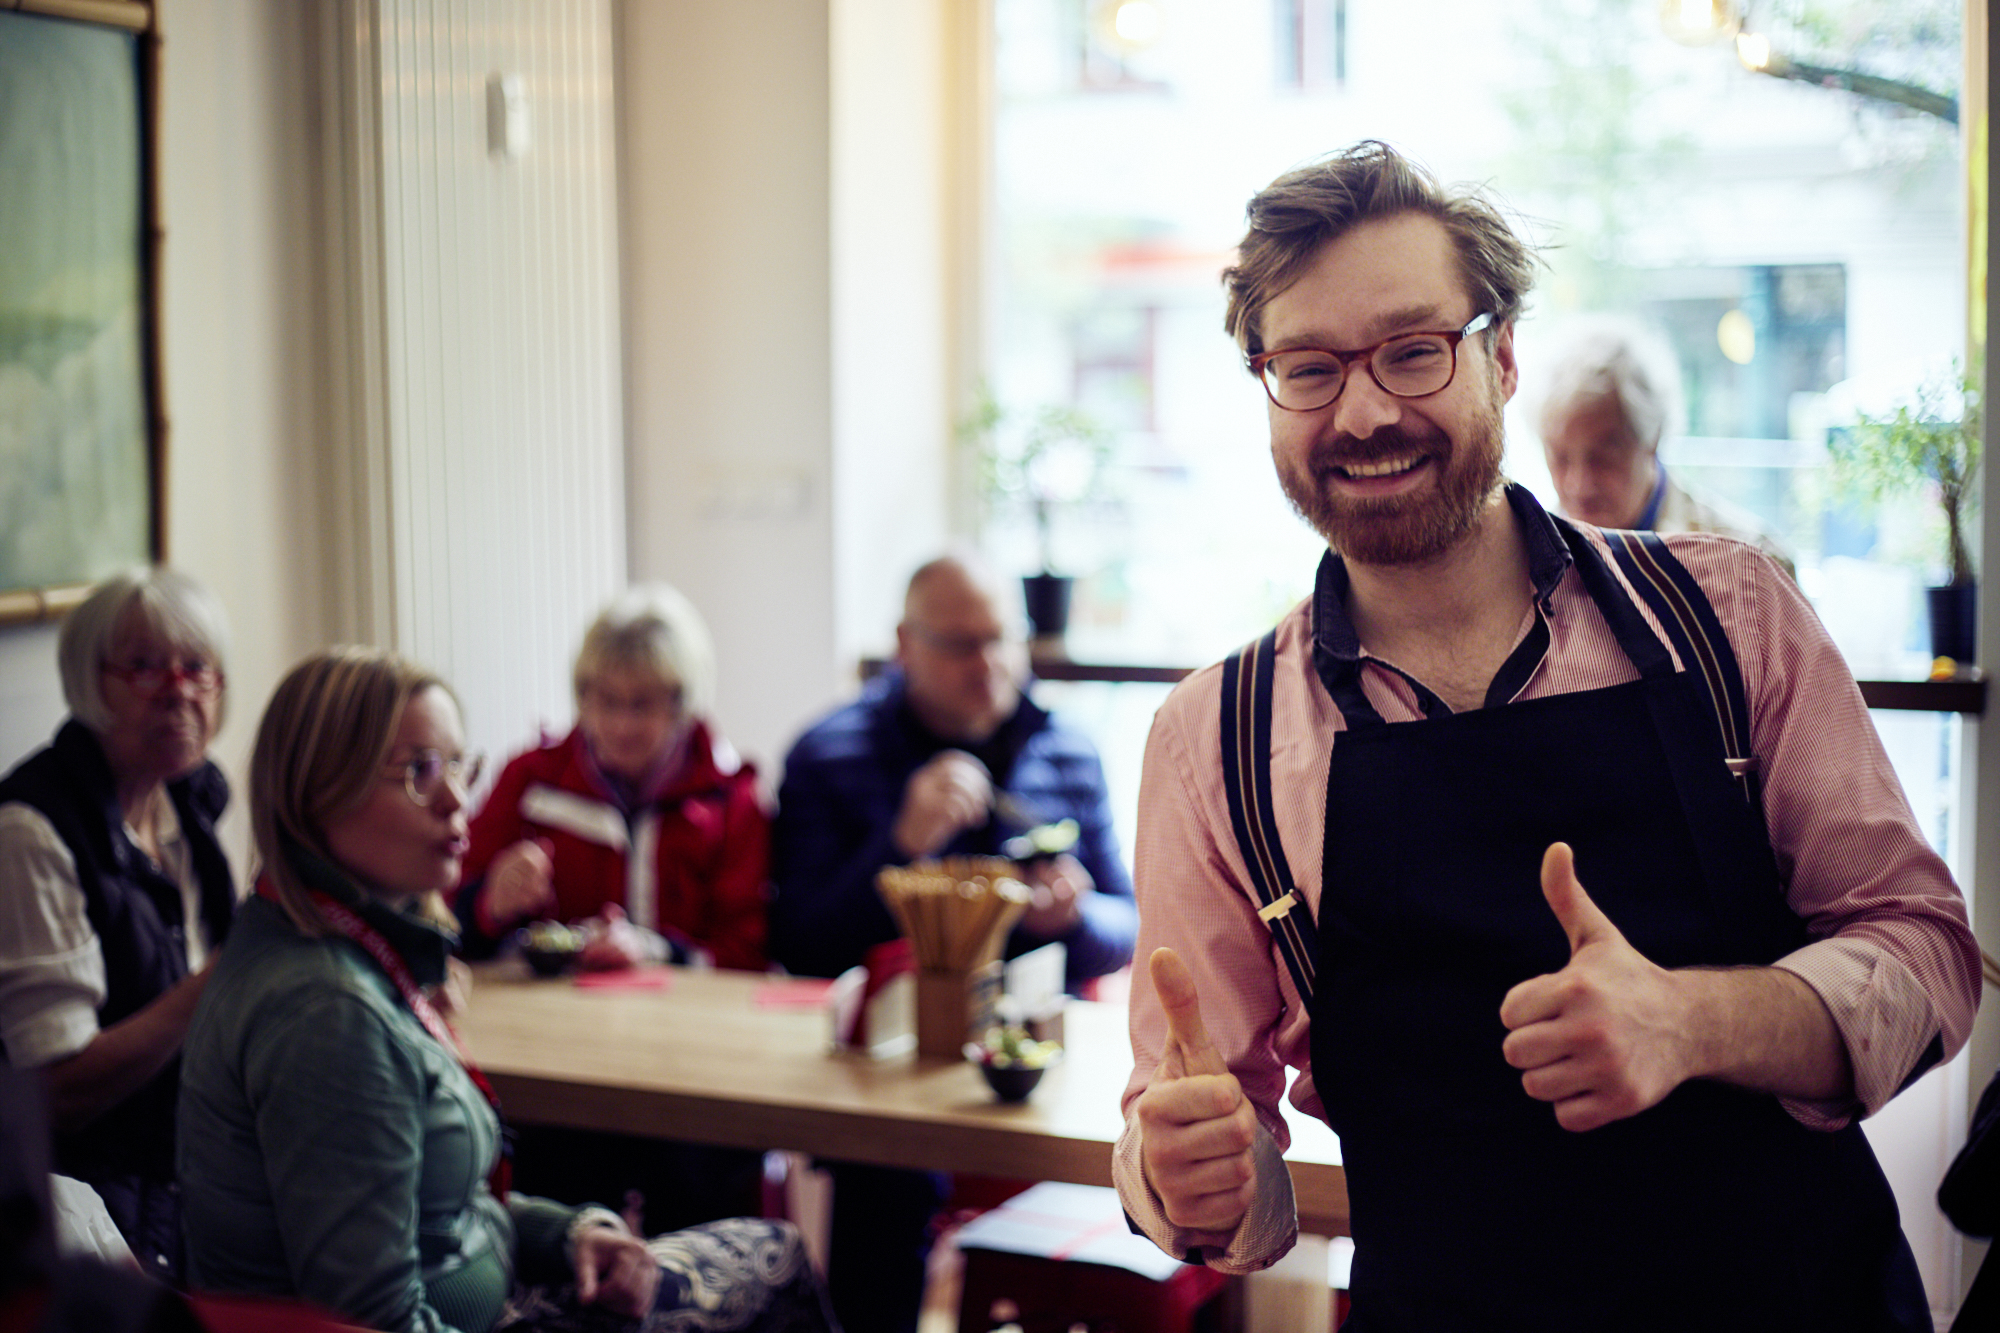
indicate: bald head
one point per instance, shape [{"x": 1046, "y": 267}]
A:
[{"x": 960, "y": 661}]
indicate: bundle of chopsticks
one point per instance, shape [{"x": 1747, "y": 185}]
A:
[{"x": 955, "y": 911}]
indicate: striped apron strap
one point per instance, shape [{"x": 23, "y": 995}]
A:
[
  {"x": 1683, "y": 609},
  {"x": 1246, "y": 774}
]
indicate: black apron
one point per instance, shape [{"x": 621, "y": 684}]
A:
[{"x": 1472, "y": 1208}]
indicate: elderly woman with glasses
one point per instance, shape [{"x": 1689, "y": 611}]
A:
[
  {"x": 643, "y": 826},
  {"x": 336, "y": 1146},
  {"x": 643, "y": 819},
  {"x": 116, "y": 891}
]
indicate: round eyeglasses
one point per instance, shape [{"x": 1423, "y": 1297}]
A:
[
  {"x": 1409, "y": 365},
  {"x": 151, "y": 677},
  {"x": 425, "y": 773}
]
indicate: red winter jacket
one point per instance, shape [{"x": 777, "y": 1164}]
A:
[{"x": 701, "y": 870}]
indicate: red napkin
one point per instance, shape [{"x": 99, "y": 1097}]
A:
[{"x": 628, "y": 978}]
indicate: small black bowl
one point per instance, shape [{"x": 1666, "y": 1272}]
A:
[
  {"x": 549, "y": 959},
  {"x": 1010, "y": 1083}
]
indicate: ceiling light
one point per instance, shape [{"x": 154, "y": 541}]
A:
[{"x": 1699, "y": 22}]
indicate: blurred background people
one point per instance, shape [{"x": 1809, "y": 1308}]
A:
[
  {"x": 1613, "y": 397},
  {"x": 117, "y": 891},
  {"x": 337, "y": 1147},
  {"x": 943, "y": 755},
  {"x": 644, "y": 824},
  {"x": 643, "y": 807}
]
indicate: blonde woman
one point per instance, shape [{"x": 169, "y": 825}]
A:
[
  {"x": 642, "y": 819},
  {"x": 336, "y": 1145}
]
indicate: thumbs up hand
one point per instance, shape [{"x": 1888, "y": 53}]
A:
[
  {"x": 1197, "y": 1129},
  {"x": 1606, "y": 1037}
]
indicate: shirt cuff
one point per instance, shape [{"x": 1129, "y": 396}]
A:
[
  {"x": 48, "y": 1005},
  {"x": 1266, "y": 1233},
  {"x": 1884, "y": 1017},
  {"x": 56, "y": 1033}
]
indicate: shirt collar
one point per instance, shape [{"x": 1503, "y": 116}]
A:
[{"x": 1337, "y": 648}]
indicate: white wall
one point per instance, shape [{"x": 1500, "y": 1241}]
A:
[
  {"x": 908, "y": 190},
  {"x": 787, "y": 267},
  {"x": 478, "y": 458},
  {"x": 724, "y": 145},
  {"x": 30, "y": 699}
]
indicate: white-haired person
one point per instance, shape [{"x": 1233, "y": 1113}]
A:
[
  {"x": 642, "y": 814},
  {"x": 643, "y": 825},
  {"x": 117, "y": 893},
  {"x": 336, "y": 1146},
  {"x": 1612, "y": 399}
]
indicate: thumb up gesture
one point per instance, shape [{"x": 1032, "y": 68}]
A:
[
  {"x": 1197, "y": 1128},
  {"x": 1607, "y": 1036}
]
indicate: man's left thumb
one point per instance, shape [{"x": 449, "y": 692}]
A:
[{"x": 1578, "y": 916}]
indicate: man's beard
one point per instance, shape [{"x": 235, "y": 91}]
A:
[{"x": 1401, "y": 529}]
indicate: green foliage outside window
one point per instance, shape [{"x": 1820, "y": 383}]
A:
[{"x": 1928, "y": 444}]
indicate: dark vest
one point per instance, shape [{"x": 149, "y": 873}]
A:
[{"x": 136, "y": 913}]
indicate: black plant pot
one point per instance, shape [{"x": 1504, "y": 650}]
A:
[
  {"x": 1954, "y": 621},
  {"x": 1047, "y": 597}
]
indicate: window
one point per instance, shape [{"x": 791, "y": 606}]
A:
[{"x": 1311, "y": 43}]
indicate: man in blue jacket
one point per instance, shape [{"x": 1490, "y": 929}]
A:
[{"x": 942, "y": 755}]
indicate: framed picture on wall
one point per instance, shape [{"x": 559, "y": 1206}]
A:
[{"x": 81, "y": 433}]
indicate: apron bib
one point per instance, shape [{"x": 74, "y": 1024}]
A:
[{"x": 1472, "y": 1208}]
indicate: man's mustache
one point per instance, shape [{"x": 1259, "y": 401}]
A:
[{"x": 1390, "y": 442}]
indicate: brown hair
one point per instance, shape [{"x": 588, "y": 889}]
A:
[
  {"x": 1298, "y": 213},
  {"x": 321, "y": 747}
]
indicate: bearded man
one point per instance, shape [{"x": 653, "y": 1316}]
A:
[{"x": 1560, "y": 869}]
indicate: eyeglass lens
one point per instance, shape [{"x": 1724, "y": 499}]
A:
[
  {"x": 1410, "y": 367},
  {"x": 153, "y": 676},
  {"x": 425, "y": 775}
]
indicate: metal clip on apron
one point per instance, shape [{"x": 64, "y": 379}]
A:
[
  {"x": 1246, "y": 774},
  {"x": 1472, "y": 1208}
]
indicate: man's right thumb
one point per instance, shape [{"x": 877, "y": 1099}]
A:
[{"x": 1189, "y": 1051}]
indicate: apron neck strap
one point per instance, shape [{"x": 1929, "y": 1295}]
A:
[{"x": 1641, "y": 646}]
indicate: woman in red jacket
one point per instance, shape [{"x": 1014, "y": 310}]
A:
[
  {"x": 642, "y": 820},
  {"x": 643, "y": 825}
]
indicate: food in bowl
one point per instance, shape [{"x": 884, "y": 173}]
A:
[
  {"x": 552, "y": 948},
  {"x": 1012, "y": 1061}
]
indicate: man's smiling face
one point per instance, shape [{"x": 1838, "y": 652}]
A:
[{"x": 1388, "y": 480}]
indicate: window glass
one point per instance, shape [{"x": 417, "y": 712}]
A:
[{"x": 1797, "y": 246}]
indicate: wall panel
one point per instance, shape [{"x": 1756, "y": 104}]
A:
[{"x": 482, "y": 462}]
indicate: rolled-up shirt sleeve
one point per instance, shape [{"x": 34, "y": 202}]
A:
[
  {"x": 51, "y": 965},
  {"x": 1189, "y": 874},
  {"x": 1892, "y": 955}
]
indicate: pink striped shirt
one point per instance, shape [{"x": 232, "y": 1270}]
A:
[{"x": 1891, "y": 955}]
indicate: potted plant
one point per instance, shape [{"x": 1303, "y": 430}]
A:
[
  {"x": 1929, "y": 443},
  {"x": 1051, "y": 458}
]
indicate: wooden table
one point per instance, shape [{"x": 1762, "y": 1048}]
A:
[{"x": 724, "y": 1058}]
